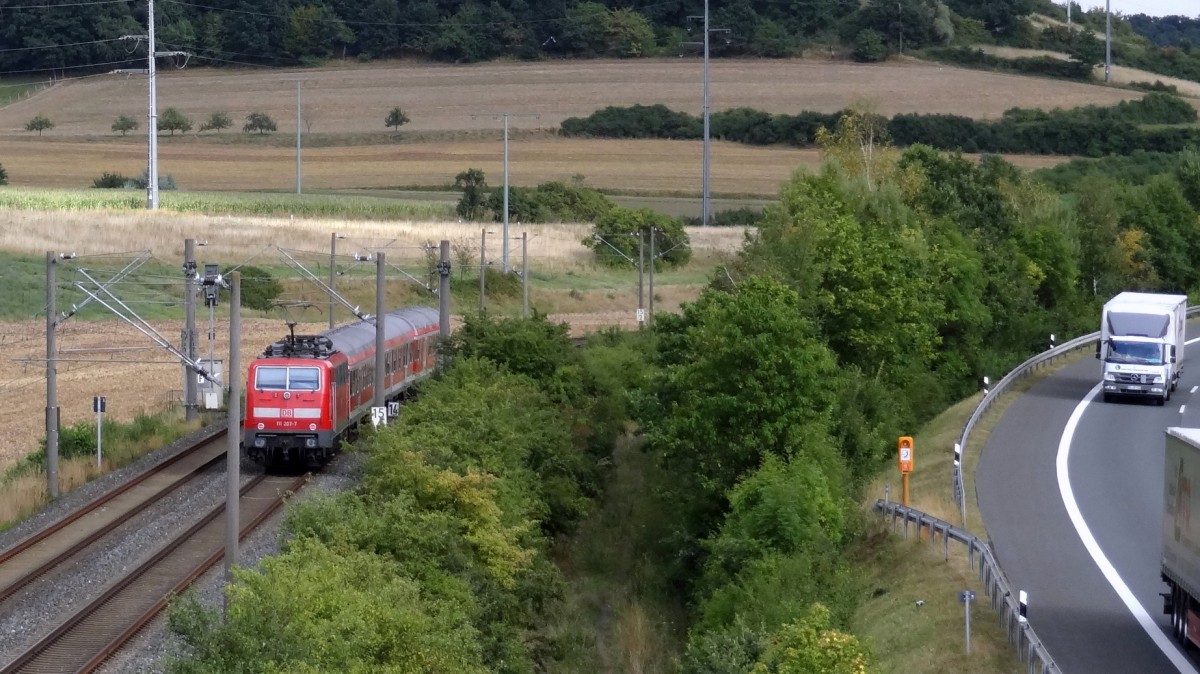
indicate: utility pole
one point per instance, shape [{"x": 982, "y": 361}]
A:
[
  {"x": 380, "y": 337},
  {"x": 1069, "y": 13},
  {"x": 505, "y": 116},
  {"x": 298, "y": 181},
  {"x": 482, "y": 267},
  {"x": 900, "y": 23},
  {"x": 524, "y": 275},
  {"x": 152, "y": 131},
  {"x": 1108, "y": 40},
  {"x": 333, "y": 239},
  {"x": 705, "y": 195},
  {"x": 443, "y": 268},
  {"x": 650, "y": 318},
  {"x": 187, "y": 342},
  {"x": 641, "y": 312},
  {"x": 233, "y": 425},
  {"x": 51, "y": 378}
]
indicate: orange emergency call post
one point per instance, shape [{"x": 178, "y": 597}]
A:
[{"x": 904, "y": 460}]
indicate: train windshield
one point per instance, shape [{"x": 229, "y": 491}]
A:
[{"x": 274, "y": 378}]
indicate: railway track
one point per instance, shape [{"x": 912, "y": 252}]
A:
[
  {"x": 87, "y": 638},
  {"x": 54, "y": 546}
]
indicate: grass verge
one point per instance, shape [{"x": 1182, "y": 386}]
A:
[
  {"x": 24, "y": 488},
  {"x": 898, "y": 573}
]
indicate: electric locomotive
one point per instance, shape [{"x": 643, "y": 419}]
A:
[{"x": 305, "y": 393}]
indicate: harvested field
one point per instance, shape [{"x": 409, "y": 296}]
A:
[
  {"x": 1120, "y": 74},
  {"x": 355, "y": 98}
]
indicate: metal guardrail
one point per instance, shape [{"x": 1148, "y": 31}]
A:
[
  {"x": 1047, "y": 356},
  {"x": 1020, "y": 633}
]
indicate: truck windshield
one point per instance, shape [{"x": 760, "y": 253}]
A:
[{"x": 1134, "y": 353}]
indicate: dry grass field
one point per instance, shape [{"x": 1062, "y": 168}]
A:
[{"x": 343, "y": 108}]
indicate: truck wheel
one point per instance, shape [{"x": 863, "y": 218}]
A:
[
  {"x": 1176, "y": 612},
  {"x": 1160, "y": 401}
]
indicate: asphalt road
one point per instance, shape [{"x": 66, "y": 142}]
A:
[{"x": 1096, "y": 610}]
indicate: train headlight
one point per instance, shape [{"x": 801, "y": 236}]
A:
[
  {"x": 260, "y": 442},
  {"x": 287, "y": 394},
  {"x": 310, "y": 443},
  {"x": 261, "y": 425},
  {"x": 312, "y": 427}
]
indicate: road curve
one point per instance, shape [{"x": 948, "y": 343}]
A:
[{"x": 1115, "y": 476}]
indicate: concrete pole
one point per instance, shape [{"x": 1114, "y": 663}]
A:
[
  {"x": 152, "y": 169},
  {"x": 380, "y": 343},
  {"x": 298, "y": 179},
  {"x": 233, "y": 419},
  {"x": 650, "y": 317},
  {"x": 51, "y": 378},
  {"x": 704, "y": 202},
  {"x": 504, "y": 253},
  {"x": 1107, "y": 40},
  {"x": 641, "y": 314},
  {"x": 332, "y": 274},
  {"x": 483, "y": 266},
  {"x": 524, "y": 275},
  {"x": 188, "y": 342},
  {"x": 444, "y": 297}
]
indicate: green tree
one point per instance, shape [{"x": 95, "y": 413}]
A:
[
  {"x": 473, "y": 203},
  {"x": 258, "y": 121},
  {"x": 870, "y": 47},
  {"x": 813, "y": 645},
  {"x": 585, "y": 28},
  {"x": 620, "y": 227},
  {"x": 628, "y": 33},
  {"x": 217, "y": 121},
  {"x": 173, "y": 120},
  {"x": 745, "y": 375},
  {"x": 259, "y": 288},
  {"x": 124, "y": 124},
  {"x": 1188, "y": 174},
  {"x": 3, "y": 175},
  {"x": 39, "y": 123},
  {"x": 396, "y": 118},
  {"x": 316, "y": 608},
  {"x": 314, "y": 32}
]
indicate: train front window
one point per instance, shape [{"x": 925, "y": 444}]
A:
[
  {"x": 271, "y": 379},
  {"x": 303, "y": 379},
  {"x": 274, "y": 378}
]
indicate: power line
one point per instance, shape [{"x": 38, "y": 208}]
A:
[
  {"x": 56, "y": 46},
  {"x": 69, "y": 4}
]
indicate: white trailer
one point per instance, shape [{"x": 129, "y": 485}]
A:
[
  {"x": 1181, "y": 534},
  {"x": 1141, "y": 345}
]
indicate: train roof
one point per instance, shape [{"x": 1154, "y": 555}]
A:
[
  {"x": 359, "y": 336},
  {"x": 352, "y": 338}
]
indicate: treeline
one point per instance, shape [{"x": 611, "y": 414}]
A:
[
  {"x": 1088, "y": 131},
  {"x": 64, "y": 37},
  {"x": 1168, "y": 31}
]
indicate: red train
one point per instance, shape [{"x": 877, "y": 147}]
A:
[{"x": 306, "y": 392}]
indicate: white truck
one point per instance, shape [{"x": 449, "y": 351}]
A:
[
  {"x": 1181, "y": 536},
  {"x": 1141, "y": 345}
]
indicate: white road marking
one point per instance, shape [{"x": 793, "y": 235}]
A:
[
  {"x": 1182, "y": 408},
  {"x": 1194, "y": 389}
]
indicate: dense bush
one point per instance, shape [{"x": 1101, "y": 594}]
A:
[
  {"x": 260, "y": 289},
  {"x": 110, "y": 181},
  {"x": 548, "y": 202},
  {"x": 3, "y": 175},
  {"x": 615, "y": 238},
  {"x": 637, "y": 121},
  {"x": 1048, "y": 66},
  {"x": 745, "y": 216},
  {"x": 1158, "y": 122}
]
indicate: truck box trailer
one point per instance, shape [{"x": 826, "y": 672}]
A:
[{"x": 1181, "y": 535}]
